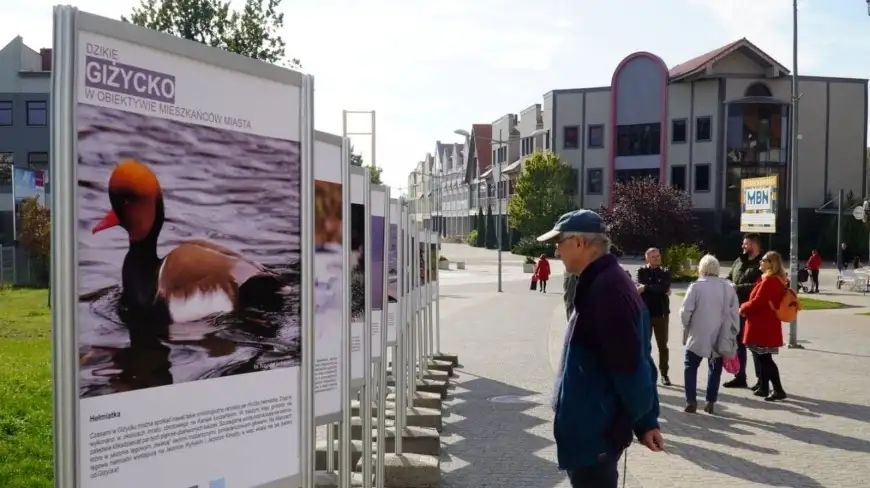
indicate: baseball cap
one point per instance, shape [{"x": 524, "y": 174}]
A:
[{"x": 576, "y": 221}]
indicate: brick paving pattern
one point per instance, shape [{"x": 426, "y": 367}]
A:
[{"x": 508, "y": 344}]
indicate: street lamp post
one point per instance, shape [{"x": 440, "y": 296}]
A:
[
  {"x": 793, "y": 172},
  {"x": 497, "y": 177}
]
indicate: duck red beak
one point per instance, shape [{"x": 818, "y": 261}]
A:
[{"x": 109, "y": 221}]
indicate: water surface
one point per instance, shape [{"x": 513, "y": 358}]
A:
[{"x": 237, "y": 190}]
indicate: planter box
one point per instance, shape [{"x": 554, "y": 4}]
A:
[
  {"x": 460, "y": 265},
  {"x": 528, "y": 268},
  {"x": 444, "y": 265}
]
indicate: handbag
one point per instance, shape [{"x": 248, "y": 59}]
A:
[
  {"x": 731, "y": 365},
  {"x": 534, "y": 284}
]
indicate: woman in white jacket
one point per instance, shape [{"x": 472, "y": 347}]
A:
[{"x": 711, "y": 321}]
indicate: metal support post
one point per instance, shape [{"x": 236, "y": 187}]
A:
[{"x": 793, "y": 178}]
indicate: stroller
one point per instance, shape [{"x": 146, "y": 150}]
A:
[{"x": 803, "y": 278}]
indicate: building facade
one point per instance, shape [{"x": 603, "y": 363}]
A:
[
  {"x": 453, "y": 195},
  {"x": 25, "y": 83},
  {"x": 707, "y": 123},
  {"x": 478, "y": 161}
]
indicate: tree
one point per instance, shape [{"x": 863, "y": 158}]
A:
[
  {"x": 35, "y": 234},
  {"x": 253, "y": 31},
  {"x": 375, "y": 174},
  {"x": 543, "y": 193},
  {"x": 356, "y": 159},
  {"x": 480, "y": 226},
  {"x": 505, "y": 235},
  {"x": 490, "y": 241},
  {"x": 648, "y": 214}
]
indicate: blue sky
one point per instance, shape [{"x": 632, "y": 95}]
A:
[{"x": 429, "y": 67}]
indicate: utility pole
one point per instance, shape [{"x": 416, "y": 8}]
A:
[
  {"x": 498, "y": 201},
  {"x": 793, "y": 177}
]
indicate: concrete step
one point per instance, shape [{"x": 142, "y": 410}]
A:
[
  {"x": 420, "y": 417},
  {"x": 320, "y": 455},
  {"x": 444, "y": 356},
  {"x": 422, "y": 399},
  {"x": 428, "y": 385},
  {"x": 356, "y": 426},
  {"x": 415, "y": 440},
  {"x": 432, "y": 374},
  {"x": 410, "y": 470},
  {"x": 322, "y": 479}
]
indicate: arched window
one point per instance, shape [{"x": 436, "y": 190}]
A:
[{"x": 758, "y": 90}]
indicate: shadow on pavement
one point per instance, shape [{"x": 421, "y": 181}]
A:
[
  {"x": 837, "y": 353},
  {"x": 717, "y": 429},
  {"x": 497, "y": 452},
  {"x": 736, "y": 467}
]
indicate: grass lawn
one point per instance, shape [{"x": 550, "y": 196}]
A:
[
  {"x": 807, "y": 303},
  {"x": 25, "y": 390},
  {"x": 816, "y": 304}
]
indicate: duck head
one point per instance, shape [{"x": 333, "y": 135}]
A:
[{"x": 137, "y": 202}]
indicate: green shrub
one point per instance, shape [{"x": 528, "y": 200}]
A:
[
  {"x": 473, "y": 238},
  {"x": 442, "y": 258},
  {"x": 529, "y": 246},
  {"x": 676, "y": 258},
  {"x": 530, "y": 260}
]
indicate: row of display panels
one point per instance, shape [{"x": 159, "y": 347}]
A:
[{"x": 182, "y": 176}]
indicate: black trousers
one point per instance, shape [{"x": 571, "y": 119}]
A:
[
  {"x": 814, "y": 275},
  {"x": 769, "y": 374},
  {"x": 602, "y": 475}
]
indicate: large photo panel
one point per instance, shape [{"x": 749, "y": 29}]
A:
[
  {"x": 434, "y": 257},
  {"x": 393, "y": 272},
  {"x": 329, "y": 276},
  {"x": 358, "y": 215},
  {"x": 188, "y": 266},
  {"x": 379, "y": 197}
]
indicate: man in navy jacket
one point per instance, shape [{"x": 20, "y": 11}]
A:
[{"x": 605, "y": 389}]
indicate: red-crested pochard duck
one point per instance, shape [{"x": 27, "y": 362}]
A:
[{"x": 196, "y": 279}]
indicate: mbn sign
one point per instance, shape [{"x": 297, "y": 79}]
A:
[{"x": 757, "y": 197}]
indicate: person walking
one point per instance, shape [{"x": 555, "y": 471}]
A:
[
  {"x": 763, "y": 330},
  {"x": 605, "y": 388},
  {"x": 711, "y": 321},
  {"x": 814, "y": 264},
  {"x": 744, "y": 273},
  {"x": 845, "y": 257},
  {"x": 542, "y": 272},
  {"x": 654, "y": 285}
]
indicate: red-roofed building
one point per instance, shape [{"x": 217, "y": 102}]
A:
[{"x": 705, "y": 124}]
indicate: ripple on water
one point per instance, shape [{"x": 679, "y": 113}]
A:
[{"x": 237, "y": 190}]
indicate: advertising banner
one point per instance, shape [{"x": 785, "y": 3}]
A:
[
  {"x": 393, "y": 272},
  {"x": 378, "y": 265},
  {"x": 758, "y": 198},
  {"x": 329, "y": 278},
  {"x": 423, "y": 249},
  {"x": 357, "y": 274},
  {"x": 189, "y": 262},
  {"x": 28, "y": 183},
  {"x": 434, "y": 256}
]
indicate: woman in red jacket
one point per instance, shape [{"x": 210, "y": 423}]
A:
[
  {"x": 763, "y": 330},
  {"x": 542, "y": 272},
  {"x": 814, "y": 264}
]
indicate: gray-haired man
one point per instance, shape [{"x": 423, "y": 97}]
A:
[{"x": 605, "y": 387}]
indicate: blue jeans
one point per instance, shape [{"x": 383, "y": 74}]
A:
[
  {"x": 605, "y": 474},
  {"x": 714, "y": 375}
]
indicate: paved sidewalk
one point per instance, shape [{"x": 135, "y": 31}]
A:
[{"x": 499, "y": 432}]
